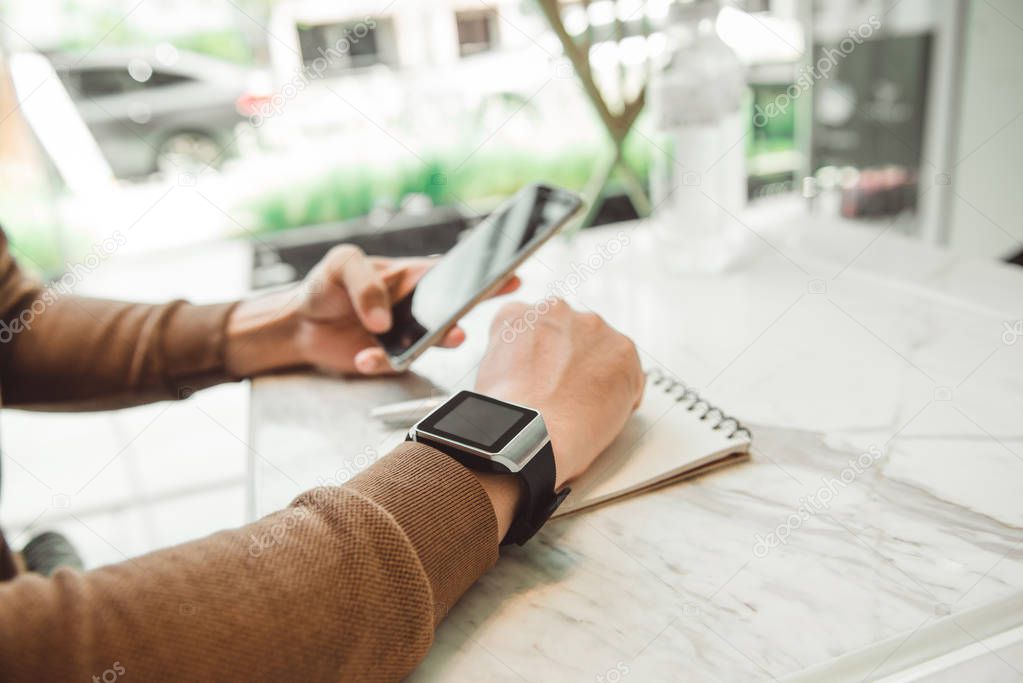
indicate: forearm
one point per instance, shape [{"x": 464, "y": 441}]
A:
[
  {"x": 346, "y": 584},
  {"x": 261, "y": 335},
  {"x": 82, "y": 353},
  {"x": 61, "y": 351}
]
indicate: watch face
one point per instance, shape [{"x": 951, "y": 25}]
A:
[{"x": 478, "y": 421}]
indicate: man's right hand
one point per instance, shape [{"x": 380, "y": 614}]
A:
[{"x": 582, "y": 375}]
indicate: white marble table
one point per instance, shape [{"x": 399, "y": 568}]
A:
[{"x": 833, "y": 342}]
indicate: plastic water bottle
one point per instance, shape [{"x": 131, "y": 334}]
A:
[{"x": 698, "y": 181}]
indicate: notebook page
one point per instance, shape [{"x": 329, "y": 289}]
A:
[{"x": 662, "y": 440}]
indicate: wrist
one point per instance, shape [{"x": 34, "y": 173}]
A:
[
  {"x": 261, "y": 335},
  {"x": 508, "y": 450},
  {"x": 505, "y": 493}
]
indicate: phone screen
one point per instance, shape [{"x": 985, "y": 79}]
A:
[{"x": 485, "y": 255}]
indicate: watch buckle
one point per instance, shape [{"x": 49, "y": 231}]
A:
[{"x": 556, "y": 502}]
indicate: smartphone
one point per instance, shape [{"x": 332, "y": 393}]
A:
[{"x": 475, "y": 268}]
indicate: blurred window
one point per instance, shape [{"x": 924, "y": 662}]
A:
[
  {"x": 161, "y": 79},
  {"x": 348, "y": 45},
  {"x": 477, "y": 31},
  {"x": 103, "y": 82},
  {"x": 91, "y": 82}
]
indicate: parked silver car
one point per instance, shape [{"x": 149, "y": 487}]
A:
[{"x": 160, "y": 110}]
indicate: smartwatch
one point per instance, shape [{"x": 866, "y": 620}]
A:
[{"x": 490, "y": 435}]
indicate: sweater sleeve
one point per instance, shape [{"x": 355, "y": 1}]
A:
[
  {"x": 347, "y": 583},
  {"x": 60, "y": 351}
]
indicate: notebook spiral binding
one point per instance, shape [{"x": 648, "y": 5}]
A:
[{"x": 684, "y": 394}]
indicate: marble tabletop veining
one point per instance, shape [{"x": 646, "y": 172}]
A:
[{"x": 884, "y": 380}]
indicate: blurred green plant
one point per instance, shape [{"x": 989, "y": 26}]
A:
[
  {"x": 93, "y": 25},
  {"x": 231, "y": 46},
  {"x": 97, "y": 27},
  {"x": 32, "y": 230},
  {"x": 476, "y": 184},
  {"x": 776, "y": 132}
]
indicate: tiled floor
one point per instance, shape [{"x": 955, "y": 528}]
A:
[{"x": 125, "y": 482}]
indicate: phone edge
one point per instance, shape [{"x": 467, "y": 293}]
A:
[{"x": 405, "y": 361}]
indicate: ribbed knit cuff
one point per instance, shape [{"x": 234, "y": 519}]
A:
[
  {"x": 193, "y": 345},
  {"x": 443, "y": 510}
]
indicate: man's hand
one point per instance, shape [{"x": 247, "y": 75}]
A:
[
  {"x": 583, "y": 376},
  {"x": 329, "y": 320}
]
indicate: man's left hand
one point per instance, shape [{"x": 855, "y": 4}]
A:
[{"x": 328, "y": 321}]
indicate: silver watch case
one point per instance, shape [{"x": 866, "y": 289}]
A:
[{"x": 512, "y": 458}]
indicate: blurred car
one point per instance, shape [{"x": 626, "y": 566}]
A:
[{"x": 160, "y": 110}]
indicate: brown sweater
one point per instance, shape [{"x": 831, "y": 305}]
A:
[{"x": 347, "y": 583}]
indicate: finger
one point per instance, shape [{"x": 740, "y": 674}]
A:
[
  {"x": 512, "y": 284},
  {"x": 402, "y": 275},
  {"x": 642, "y": 392},
  {"x": 640, "y": 379},
  {"x": 365, "y": 287},
  {"x": 416, "y": 264},
  {"x": 373, "y": 361},
  {"x": 454, "y": 337}
]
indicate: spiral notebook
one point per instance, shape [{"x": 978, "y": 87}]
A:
[{"x": 674, "y": 435}]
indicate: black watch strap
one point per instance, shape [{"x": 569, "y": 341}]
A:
[{"x": 540, "y": 500}]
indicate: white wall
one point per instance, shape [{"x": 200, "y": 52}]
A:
[{"x": 986, "y": 208}]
